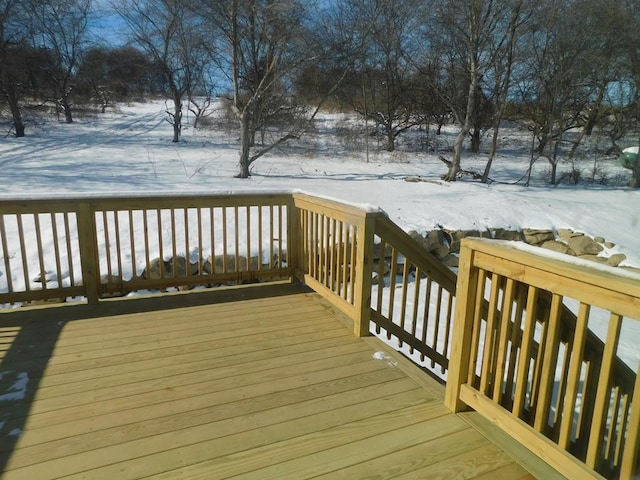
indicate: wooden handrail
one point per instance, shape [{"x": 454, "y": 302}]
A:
[{"x": 568, "y": 397}]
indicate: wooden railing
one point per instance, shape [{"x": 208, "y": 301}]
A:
[
  {"x": 522, "y": 353},
  {"x": 553, "y": 388},
  {"x": 94, "y": 247}
]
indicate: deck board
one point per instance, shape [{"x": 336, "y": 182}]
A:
[{"x": 255, "y": 386}]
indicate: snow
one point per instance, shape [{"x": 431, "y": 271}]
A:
[
  {"x": 129, "y": 152},
  {"x": 18, "y": 390}
]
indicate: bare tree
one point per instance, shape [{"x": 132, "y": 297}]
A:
[
  {"x": 167, "y": 32},
  {"x": 501, "y": 70},
  {"x": 379, "y": 87},
  {"x": 13, "y": 36},
  {"x": 60, "y": 26},
  {"x": 557, "y": 86},
  {"x": 465, "y": 31},
  {"x": 262, "y": 46}
]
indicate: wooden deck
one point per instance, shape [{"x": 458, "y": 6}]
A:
[{"x": 253, "y": 383}]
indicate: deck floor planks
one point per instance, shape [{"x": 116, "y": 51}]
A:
[{"x": 258, "y": 388}]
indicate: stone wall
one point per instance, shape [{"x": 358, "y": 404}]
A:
[{"x": 445, "y": 244}]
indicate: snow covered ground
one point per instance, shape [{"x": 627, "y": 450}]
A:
[{"x": 130, "y": 152}]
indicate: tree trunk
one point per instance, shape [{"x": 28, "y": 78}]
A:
[
  {"x": 245, "y": 144},
  {"x": 492, "y": 152},
  {"x": 475, "y": 140},
  {"x": 635, "y": 176},
  {"x": 66, "y": 108},
  {"x": 391, "y": 139},
  {"x": 177, "y": 116},
  {"x": 18, "y": 123}
]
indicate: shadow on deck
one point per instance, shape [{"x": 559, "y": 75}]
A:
[{"x": 261, "y": 382}]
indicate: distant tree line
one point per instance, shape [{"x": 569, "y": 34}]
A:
[{"x": 554, "y": 65}]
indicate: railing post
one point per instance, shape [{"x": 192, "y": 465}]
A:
[
  {"x": 294, "y": 237},
  {"x": 87, "y": 240},
  {"x": 466, "y": 291},
  {"x": 364, "y": 273}
]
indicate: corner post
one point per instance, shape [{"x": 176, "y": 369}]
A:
[
  {"x": 364, "y": 273},
  {"x": 87, "y": 239},
  {"x": 294, "y": 237},
  {"x": 466, "y": 292}
]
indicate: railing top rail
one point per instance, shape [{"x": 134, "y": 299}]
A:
[
  {"x": 335, "y": 208},
  {"x": 170, "y": 200},
  {"x": 599, "y": 285}
]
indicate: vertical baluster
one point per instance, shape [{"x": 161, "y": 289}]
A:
[
  {"x": 505, "y": 322},
  {"x": 174, "y": 245},
  {"x": 447, "y": 329},
  {"x": 478, "y": 309},
  {"x": 352, "y": 263},
  {"x": 416, "y": 305},
  {"x": 212, "y": 225},
  {"x": 118, "y": 243},
  {"x": 224, "y": 240},
  {"x": 160, "y": 243},
  {"x": 550, "y": 359},
  {"x": 248, "y": 233},
  {"x": 425, "y": 315},
  {"x": 147, "y": 246},
  {"x": 260, "y": 252},
  {"x": 392, "y": 287},
  {"x": 436, "y": 323},
  {"x": 490, "y": 336},
  {"x": 200, "y": 241},
  {"x": 6, "y": 255},
  {"x": 187, "y": 246},
  {"x": 43, "y": 272},
  {"x": 522, "y": 375},
  {"x": 67, "y": 233},
  {"x": 236, "y": 238},
  {"x": 600, "y": 412},
  {"x": 515, "y": 336},
  {"x": 403, "y": 304},
  {"x": 632, "y": 442},
  {"x": 23, "y": 253},
  {"x": 573, "y": 380},
  {"x": 56, "y": 249},
  {"x": 107, "y": 244},
  {"x": 271, "y": 226},
  {"x": 341, "y": 265},
  {"x": 134, "y": 270},
  {"x": 281, "y": 240}
]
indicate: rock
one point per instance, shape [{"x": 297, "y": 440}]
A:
[
  {"x": 609, "y": 244},
  {"x": 599, "y": 239},
  {"x": 565, "y": 234},
  {"x": 218, "y": 263},
  {"x": 616, "y": 259},
  {"x": 377, "y": 264},
  {"x": 378, "y": 255},
  {"x": 537, "y": 237},
  {"x": 441, "y": 252},
  {"x": 584, "y": 245},
  {"x": 435, "y": 239},
  {"x": 48, "y": 277},
  {"x": 451, "y": 260},
  {"x": 165, "y": 268},
  {"x": 511, "y": 235},
  {"x": 556, "y": 246},
  {"x": 113, "y": 279}
]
